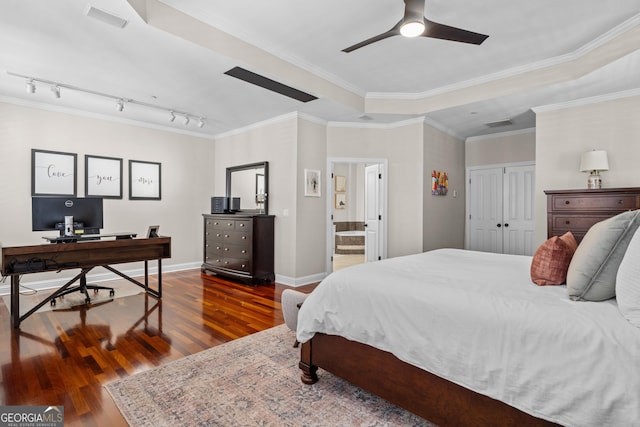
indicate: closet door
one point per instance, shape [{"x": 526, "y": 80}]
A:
[
  {"x": 484, "y": 222},
  {"x": 500, "y": 209}
]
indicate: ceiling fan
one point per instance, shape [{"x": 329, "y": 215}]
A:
[{"x": 415, "y": 24}]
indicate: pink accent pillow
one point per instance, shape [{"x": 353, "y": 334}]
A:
[{"x": 551, "y": 261}]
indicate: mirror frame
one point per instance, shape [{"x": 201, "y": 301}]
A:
[{"x": 264, "y": 165}]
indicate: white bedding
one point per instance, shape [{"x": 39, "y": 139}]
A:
[{"x": 476, "y": 319}]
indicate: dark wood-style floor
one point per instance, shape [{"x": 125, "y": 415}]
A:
[{"x": 65, "y": 357}]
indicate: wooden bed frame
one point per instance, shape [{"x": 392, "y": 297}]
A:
[{"x": 427, "y": 395}]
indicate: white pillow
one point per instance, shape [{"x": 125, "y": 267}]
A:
[
  {"x": 628, "y": 282},
  {"x": 592, "y": 272}
]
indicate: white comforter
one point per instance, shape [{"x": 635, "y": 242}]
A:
[{"x": 476, "y": 319}]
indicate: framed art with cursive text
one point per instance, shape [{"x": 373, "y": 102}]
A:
[
  {"x": 102, "y": 177},
  {"x": 144, "y": 180},
  {"x": 53, "y": 173}
]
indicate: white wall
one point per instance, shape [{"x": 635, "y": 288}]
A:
[
  {"x": 274, "y": 141},
  {"x": 564, "y": 132},
  {"x": 402, "y": 145},
  {"x": 505, "y": 147},
  {"x": 443, "y": 220},
  {"x": 187, "y": 178}
]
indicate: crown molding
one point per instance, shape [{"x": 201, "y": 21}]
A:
[{"x": 587, "y": 101}]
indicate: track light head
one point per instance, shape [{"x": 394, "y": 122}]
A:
[
  {"x": 31, "y": 86},
  {"x": 120, "y": 105},
  {"x": 200, "y": 122},
  {"x": 186, "y": 120},
  {"x": 55, "y": 90},
  {"x": 172, "y": 117}
]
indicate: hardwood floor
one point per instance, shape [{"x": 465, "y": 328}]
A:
[{"x": 65, "y": 357}]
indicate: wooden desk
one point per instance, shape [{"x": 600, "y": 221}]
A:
[{"x": 84, "y": 255}]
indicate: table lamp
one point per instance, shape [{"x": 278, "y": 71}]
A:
[{"x": 593, "y": 162}]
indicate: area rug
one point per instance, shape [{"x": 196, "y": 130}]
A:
[
  {"x": 29, "y": 299},
  {"x": 251, "y": 381}
]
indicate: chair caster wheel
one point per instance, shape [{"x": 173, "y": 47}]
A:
[
  {"x": 112, "y": 293},
  {"x": 87, "y": 300},
  {"x": 53, "y": 302},
  {"x": 95, "y": 291}
]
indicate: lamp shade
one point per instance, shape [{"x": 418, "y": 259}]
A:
[{"x": 595, "y": 160}]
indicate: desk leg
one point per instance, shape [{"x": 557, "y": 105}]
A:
[
  {"x": 146, "y": 275},
  {"x": 159, "y": 278},
  {"x": 15, "y": 300}
]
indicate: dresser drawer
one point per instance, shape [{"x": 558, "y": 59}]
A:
[
  {"x": 221, "y": 224},
  {"x": 622, "y": 202},
  {"x": 236, "y": 251},
  {"x": 243, "y": 265},
  {"x": 575, "y": 222}
]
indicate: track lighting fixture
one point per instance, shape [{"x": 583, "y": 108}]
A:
[
  {"x": 31, "y": 86},
  {"x": 55, "y": 90},
  {"x": 119, "y": 100}
]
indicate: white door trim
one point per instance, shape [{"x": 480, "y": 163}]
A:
[{"x": 331, "y": 194}]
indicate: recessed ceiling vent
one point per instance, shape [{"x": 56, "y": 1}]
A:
[
  {"x": 106, "y": 17},
  {"x": 272, "y": 85},
  {"x": 499, "y": 124}
]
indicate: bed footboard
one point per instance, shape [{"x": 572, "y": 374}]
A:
[{"x": 429, "y": 396}]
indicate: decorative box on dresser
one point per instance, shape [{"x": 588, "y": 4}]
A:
[
  {"x": 578, "y": 210},
  {"x": 239, "y": 246}
]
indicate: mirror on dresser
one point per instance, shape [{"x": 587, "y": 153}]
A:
[{"x": 249, "y": 183}]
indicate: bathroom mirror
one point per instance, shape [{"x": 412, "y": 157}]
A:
[{"x": 250, "y": 183}]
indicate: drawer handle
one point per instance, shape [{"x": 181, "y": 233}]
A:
[
  {"x": 567, "y": 222},
  {"x": 229, "y": 224},
  {"x": 226, "y": 249},
  {"x": 243, "y": 266},
  {"x": 566, "y": 202},
  {"x": 620, "y": 202},
  {"x": 226, "y": 262},
  {"x": 244, "y": 237},
  {"x": 226, "y": 235},
  {"x": 217, "y": 234},
  {"x": 217, "y": 247},
  {"x": 216, "y": 223},
  {"x": 241, "y": 225},
  {"x": 244, "y": 252}
]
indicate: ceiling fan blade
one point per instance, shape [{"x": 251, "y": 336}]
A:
[
  {"x": 445, "y": 32},
  {"x": 392, "y": 32}
]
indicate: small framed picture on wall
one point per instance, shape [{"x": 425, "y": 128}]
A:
[
  {"x": 53, "y": 173},
  {"x": 144, "y": 180}
]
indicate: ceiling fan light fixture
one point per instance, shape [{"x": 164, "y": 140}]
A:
[{"x": 412, "y": 28}]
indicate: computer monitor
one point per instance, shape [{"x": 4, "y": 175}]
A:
[{"x": 48, "y": 213}]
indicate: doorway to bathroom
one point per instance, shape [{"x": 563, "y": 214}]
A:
[{"x": 356, "y": 231}]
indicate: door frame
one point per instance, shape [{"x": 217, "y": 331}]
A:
[
  {"x": 468, "y": 194},
  {"x": 331, "y": 194}
]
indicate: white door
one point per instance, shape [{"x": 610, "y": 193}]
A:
[
  {"x": 485, "y": 210},
  {"x": 372, "y": 213},
  {"x": 501, "y": 206},
  {"x": 517, "y": 217}
]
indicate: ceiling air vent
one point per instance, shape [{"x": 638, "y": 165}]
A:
[
  {"x": 499, "y": 124},
  {"x": 106, "y": 17},
  {"x": 272, "y": 85}
]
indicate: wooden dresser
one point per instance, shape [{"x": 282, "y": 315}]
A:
[
  {"x": 240, "y": 247},
  {"x": 578, "y": 210}
]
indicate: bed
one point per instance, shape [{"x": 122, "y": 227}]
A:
[{"x": 465, "y": 338}]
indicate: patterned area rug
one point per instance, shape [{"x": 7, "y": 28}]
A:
[{"x": 251, "y": 381}]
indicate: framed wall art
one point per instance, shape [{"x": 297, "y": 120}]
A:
[
  {"x": 341, "y": 184},
  {"x": 311, "y": 183},
  {"x": 53, "y": 173},
  {"x": 103, "y": 177},
  {"x": 144, "y": 180}
]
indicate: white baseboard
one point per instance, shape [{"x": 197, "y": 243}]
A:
[
  {"x": 105, "y": 276},
  {"x": 300, "y": 281}
]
